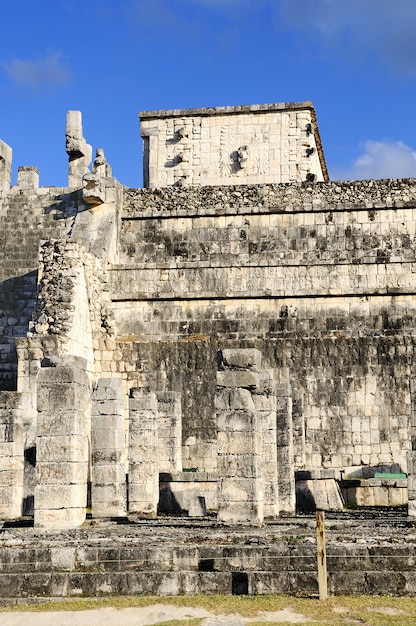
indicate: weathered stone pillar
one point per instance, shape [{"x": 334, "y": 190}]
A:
[
  {"x": 411, "y": 455},
  {"x": 108, "y": 473},
  {"x": 28, "y": 177},
  {"x": 411, "y": 483},
  {"x": 11, "y": 455},
  {"x": 264, "y": 400},
  {"x": 169, "y": 431},
  {"x": 285, "y": 462},
  {"x": 64, "y": 405},
  {"x": 240, "y": 485},
  {"x": 5, "y": 166},
  {"x": 143, "y": 453},
  {"x": 78, "y": 150}
]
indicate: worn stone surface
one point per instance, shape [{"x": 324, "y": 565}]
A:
[
  {"x": 78, "y": 150},
  {"x": 143, "y": 453},
  {"x": 11, "y": 455},
  {"x": 108, "y": 473},
  {"x": 229, "y": 145},
  {"x": 62, "y": 444},
  {"x": 299, "y": 296},
  {"x": 366, "y": 554},
  {"x": 5, "y": 165},
  {"x": 169, "y": 448},
  {"x": 240, "y": 441}
]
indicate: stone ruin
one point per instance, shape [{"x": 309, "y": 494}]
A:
[{"x": 235, "y": 338}]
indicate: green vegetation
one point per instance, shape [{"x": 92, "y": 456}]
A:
[{"x": 337, "y": 611}]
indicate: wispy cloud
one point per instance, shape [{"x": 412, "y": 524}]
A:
[
  {"x": 154, "y": 13},
  {"x": 381, "y": 26},
  {"x": 186, "y": 16},
  {"x": 36, "y": 74},
  {"x": 380, "y": 159}
]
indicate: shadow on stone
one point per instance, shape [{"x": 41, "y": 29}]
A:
[{"x": 239, "y": 583}]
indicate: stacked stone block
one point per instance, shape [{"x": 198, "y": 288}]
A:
[
  {"x": 143, "y": 453},
  {"x": 240, "y": 481},
  {"x": 5, "y": 166},
  {"x": 64, "y": 407},
  {"x": 169, "y": 431},
  {"x": 285, "y": 462},
  {"x": 318, "y": 276},
  {"x": 232, "y": 145},
  {"x": 11, "y": 456},
  {"x": 108, "y": 473},
  {"x": 78, "y": 150},
  {"x": 411, "y": 454},
  {"x": 28, "y": 177},
  {"x": 264, "y": 400}
]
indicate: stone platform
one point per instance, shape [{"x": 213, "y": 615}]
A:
[{"x": 370, "y": 552}]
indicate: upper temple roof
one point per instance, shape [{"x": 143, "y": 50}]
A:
[{"x": 247, "y": 144}]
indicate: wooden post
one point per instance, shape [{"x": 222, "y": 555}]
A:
[{"x": 321, "y": 548}]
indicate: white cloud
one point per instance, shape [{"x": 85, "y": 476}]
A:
[
  {"x": 380, "y": 159},
  {"x": 380, "y": 26},
  {"x": 38, "y": 73},
  {"x": 177, "y": 14}
]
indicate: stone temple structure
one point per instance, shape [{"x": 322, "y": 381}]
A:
[{"x": 239, "y": 331}]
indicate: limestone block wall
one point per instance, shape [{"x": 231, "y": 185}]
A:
[
  {"x": 169, "y": 447},
  {"x": 72, "y": 303},
  {"x": 143, "y": 453},
  {"x": 264, "y": 401},
  {"x": 318, "y": 277},
  {"x": 11, "y": 456},
  {"x": 285, "y": 449},
  {"x": 148, "y": 286},
  {"x": 5, "y": 165},
  {"x": 189, "y": 367},
  {"x": 27, "y": 216},
  {"x": 64, "y": 409},
  {"x": 232, "y": 145},
  {"x": 340, "y": 253},
  {"x": 240, "y": 460},
  {"x": 356, "y": 398},
  {"x": 108, "y": 449},
  {"x": 350, "y": 396}
]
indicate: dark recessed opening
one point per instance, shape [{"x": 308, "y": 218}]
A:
[
  {"x": 206, "y": 565},
  {"x": 239, "y": 585},
  {"x": 30, "y": 456}
]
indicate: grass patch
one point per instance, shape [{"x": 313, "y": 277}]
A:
[{"x": 336, "y": 611}]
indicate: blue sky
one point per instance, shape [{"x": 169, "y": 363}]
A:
[{"x": 354, "y": 59}]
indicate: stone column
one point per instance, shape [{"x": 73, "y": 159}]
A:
[
  {"x": 28, "y": 177},
  {"x": 11, "y": 456},
  {"x": 150, "y": 156},
  {"x": 411, "y": 455},
  {"x": 264, "y": 400},
  {"x": 5, "y": 166},
  {"x": 108, "y": 473},
  {"x": 169, "y": 431},
  {"x": 64, "y": 405},
  {"x": 411, "y": 483},
  {"x": 78, "y": 150},
  {"x": 143, "y": 453},
  {"x": 240, "y": 485},
  {"x": 285, "y": 461}
]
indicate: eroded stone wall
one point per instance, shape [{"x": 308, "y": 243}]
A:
[
  {"x": 151, "y": 287},
  {"x": 318, "y": 277},
  {"x": 27, "y": 217},
  {"x": 232, "y": 145}
]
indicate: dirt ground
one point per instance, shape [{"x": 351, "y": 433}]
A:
[{"x": 140, "y": 616}]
